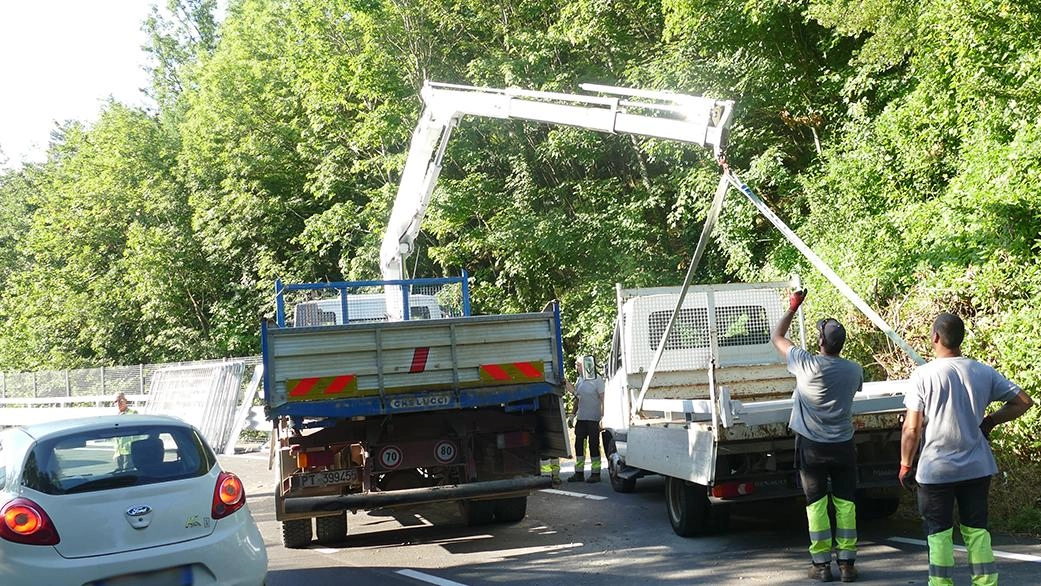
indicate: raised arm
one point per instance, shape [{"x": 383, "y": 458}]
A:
[{"x": 779, "y": 335}]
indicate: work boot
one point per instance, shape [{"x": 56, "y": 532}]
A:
[
  {"x": 594, "y": 477},
  {"x": 820, "y": 572},
  {"x": 577, "y": 477},
  {"x": 556, "y": 481},
  {"x": 847, "y": 572}
]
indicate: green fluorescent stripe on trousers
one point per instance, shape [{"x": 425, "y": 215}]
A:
[
  {"x": 941, "y": 558},
  {"x": 845, "y": 528},
  {"x": 981, "y": 556},
  {"x": 820, "y": 531}
]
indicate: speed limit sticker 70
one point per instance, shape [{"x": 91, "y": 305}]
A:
[
  {"x": 445, "y": 451},
  {"x": 390, "y": 457}
]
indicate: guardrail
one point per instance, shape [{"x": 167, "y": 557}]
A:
[{"x": 31, "y": 410}]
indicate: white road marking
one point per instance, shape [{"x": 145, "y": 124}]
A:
[
  {"x": 581, "y": 495},
  {"x": 1023, "y": 557},
  {"x": 325, "y": 550},
  {"x": 428, "y": 578}
]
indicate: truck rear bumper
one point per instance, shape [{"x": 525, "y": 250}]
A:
[{"x": 412, "y": 496}]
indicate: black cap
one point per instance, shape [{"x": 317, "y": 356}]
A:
[{"x": 833, "y": 335}]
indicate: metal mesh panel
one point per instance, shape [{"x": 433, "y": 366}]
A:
[
  {"x": 732, "y": 322},
  {"x": 203, "y": 395}
]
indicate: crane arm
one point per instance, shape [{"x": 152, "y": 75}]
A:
[{"x": 646, "y": 113}]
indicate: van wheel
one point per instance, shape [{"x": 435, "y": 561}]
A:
[
  {"x": 690, "y": 512},
  {"x": 617, "y": 483},
  {"x": 331, "y": 529},
  {"x": 296, "y": 533}
]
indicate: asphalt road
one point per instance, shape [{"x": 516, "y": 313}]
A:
[{"x": 586, "y": 534}]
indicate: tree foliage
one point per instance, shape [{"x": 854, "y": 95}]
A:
[{"x": 898, "y": 138}]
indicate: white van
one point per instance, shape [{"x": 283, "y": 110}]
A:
[{"x": 360, "y": 309}]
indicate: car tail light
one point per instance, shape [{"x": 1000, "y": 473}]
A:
[
  {"x": 228, "y": 496},
  {"x": 26, "y": 522}
]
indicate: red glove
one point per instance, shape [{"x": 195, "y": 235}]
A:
[
  {"x": 796, "y": 299},
  {"x": 986, "y": 426},
  {"x": 907, "y": 477}
]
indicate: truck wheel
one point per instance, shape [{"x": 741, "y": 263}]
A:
[
  {"x": 331, "y": 529},
  {"x": 477, "y": 512},
  {"x": 617, "y": 483},
  {"x": 690, "y": 512},
  {"x": 511, "y": 510},
  {"x": 296, "y": 533}
]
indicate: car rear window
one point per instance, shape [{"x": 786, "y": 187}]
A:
[{"x": 114, "y": 458}]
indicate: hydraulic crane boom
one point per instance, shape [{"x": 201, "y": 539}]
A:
[{"x": 652, "y": 114}]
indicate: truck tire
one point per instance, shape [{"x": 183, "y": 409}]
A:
[
  {"x": 296, "y": 533},
  {"x": 690, "y": 512},
  {"x": 477, "y": 512},
  {"x": 331, "y": 529},
  {"x": 511, "y": 510}
]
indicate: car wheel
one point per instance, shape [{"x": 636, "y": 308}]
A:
[
  {"x": 690, "y": 512},
  {"x": 511, "y": 510},
  {"x": 296, "y": 533},
  {"x": 477, "y": 512},
  {"x": 331, "y": 529}
]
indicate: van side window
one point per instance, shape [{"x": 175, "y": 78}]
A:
[{"x": 419, "y": 312}]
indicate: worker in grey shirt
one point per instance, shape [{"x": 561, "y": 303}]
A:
[
  {"x": 949, "y": 398},
  {"x": 589, "y": 393},
  {"x": 822, "y": 419}
]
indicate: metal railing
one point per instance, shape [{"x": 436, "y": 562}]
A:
[{"x": 102, "y": 381}]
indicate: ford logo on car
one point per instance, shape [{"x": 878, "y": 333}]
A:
[{"x": 139, "y": 510}]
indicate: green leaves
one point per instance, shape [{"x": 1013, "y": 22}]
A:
[{"x": 897, "y": 138}]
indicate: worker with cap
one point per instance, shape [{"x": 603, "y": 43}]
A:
[
  {"x": 951, "y": 393},
  {"x": 822, "y": 419}
]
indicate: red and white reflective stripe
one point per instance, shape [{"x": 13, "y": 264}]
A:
[
  {"x": 513, "y": 372},
  {"x": 419, "y": 360},
  {"x": 315, "y": 387}
]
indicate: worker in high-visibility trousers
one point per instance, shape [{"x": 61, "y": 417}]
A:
[
  {"x": 952, "y": 393},
  {"x": 822, "y": 419},
  {"x": 589, "y": 411},
  {"x": 550, "y": 467}
]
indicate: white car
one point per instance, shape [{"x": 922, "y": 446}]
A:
[{"x": 122, "y": 500}]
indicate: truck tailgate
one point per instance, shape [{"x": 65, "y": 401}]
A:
[{"x": 411, "y": 365}]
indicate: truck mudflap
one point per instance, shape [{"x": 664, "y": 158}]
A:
[{"x": 412, "y": 496}]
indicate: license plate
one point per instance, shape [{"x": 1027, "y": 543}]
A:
[
  {"x": 327, "y": 478},
  {"x": 181, "y": 576}
]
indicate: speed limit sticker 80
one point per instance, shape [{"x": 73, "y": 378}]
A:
[{"x": 445, "y": 451}]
